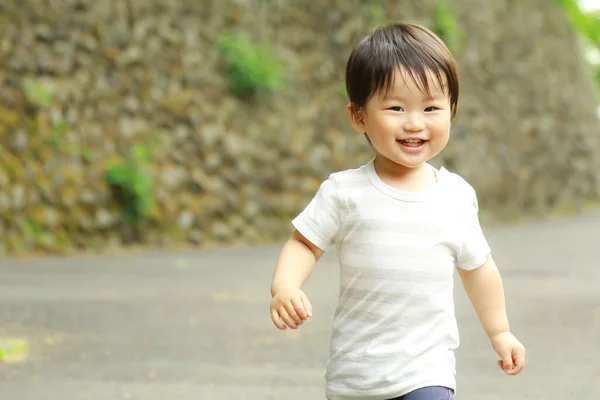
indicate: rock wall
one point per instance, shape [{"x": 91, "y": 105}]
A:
[{"x": 87, "y": 86}]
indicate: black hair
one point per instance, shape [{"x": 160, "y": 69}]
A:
[{"x": 413, "y": 48}]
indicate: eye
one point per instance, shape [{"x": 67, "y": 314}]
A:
[
  {"x": 430, "y": 109},
  {"x": 396, "y": 108}
]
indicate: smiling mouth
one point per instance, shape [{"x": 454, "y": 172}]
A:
[{"x": 411, "y": 142}]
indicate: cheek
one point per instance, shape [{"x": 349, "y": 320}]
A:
[
  {"x": 440, "y": 123},
  {"x": 387, "y": 121},
  {"x": 372, "y": 125}
]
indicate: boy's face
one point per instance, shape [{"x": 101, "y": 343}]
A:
[{"x": 405, "y": 125}]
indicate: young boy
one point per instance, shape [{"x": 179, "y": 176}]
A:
[{"x": 401, "y": 228}]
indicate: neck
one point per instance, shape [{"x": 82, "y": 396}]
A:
[{"x": 415, "y": 179}]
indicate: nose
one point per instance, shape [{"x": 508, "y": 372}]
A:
[{"x": 414, "y": 122}]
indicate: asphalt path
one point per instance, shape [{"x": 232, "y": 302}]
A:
[{"x": 196, "y": 325}]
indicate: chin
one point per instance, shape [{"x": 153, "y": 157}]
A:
[{"x": 411, "y": 164}]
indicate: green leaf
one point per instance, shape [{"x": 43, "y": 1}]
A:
[
  {"x": 116, "y": 174},
  {"x": 38, "y": 93},
  {"x": 446, "y": 25},
  {"x": 251, "y": 67},
  {"x": 132, "y": 176}
]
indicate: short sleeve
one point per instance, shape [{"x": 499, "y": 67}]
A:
[
  {"x": 319, "y": 221},
  {"x": 474, "y": 247}
]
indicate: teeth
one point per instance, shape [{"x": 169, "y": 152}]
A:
[{"x": 412, "y": 141}]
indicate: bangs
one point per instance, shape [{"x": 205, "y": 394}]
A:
[{"x": 424, "y": 78}]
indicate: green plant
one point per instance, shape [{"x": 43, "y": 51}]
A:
[
  {"x": 38, "y": 93},
  {"x": 41, "y": 95},
  {"x": 34, "y": 233},
  {"x": 587, "y": 25},
  {"x": 56, "y": 135},
  {"x": 88, "y": 154},
  {"x": 251, "y": 67},
  {"x": 446, "y": 25},
  {"x": 376, "y": 12},
  {"x": 30, "y": 230},
  {"x": 133, "y": 184}
]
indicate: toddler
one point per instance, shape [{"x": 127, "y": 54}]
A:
[{"x": 401, "y": 228}]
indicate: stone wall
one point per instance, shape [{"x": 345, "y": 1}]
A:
[{"x": 86, "y": 84}]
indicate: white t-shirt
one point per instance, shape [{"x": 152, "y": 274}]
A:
[{"x": 394, "y": 329}]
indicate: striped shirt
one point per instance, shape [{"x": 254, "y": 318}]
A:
[{"x": 394, "y": 329}]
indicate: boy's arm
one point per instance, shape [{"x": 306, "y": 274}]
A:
[
  {"x": 484, "y": 288},
  {"x": 295, "y": 264},
  {"x": 290, "y": 307}
]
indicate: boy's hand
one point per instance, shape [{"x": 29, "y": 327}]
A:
[
  {"x": 511, "y": 351},
  {"x": 290, "y": 307}
]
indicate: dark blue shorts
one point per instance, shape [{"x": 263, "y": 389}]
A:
[{"x": 429, "y": 393}]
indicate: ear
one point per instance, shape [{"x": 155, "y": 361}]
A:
[{"x": 357, "y": 117}]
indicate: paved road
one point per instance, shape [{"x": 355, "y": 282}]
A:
[{"x": 195, "y": 325}]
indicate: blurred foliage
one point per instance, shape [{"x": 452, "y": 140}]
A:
[
  {"x": 38, "y": 93},
  {"x": 587, "y": 25},
  {"x": 251, "y": 68},
  {"x": 133, "y": 184},
  {"x": 33, "y": 233},
  {"x": 56, "y": 136},
  {"x": 446, "y": 25},
  {"x": 57, "y": 132},
  {"x": 342, "y": 90},
  {"x": 376, "y": 12}
]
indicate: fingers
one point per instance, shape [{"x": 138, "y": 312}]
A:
[
  {"x": 514, "y": 364},
  {"x": 277, "y": 320},
  {"x": 307, "y": 306},
  {"x": 518, "y": 363},
  {"x": 512, "y": 370},
  {"x": 291, "y": 311},
  {"x": 286, "y": 318},
  {"x": 506, "y": 363},
  {"x": 297, "y": 310},
  {"x": 300, "y": 310}
]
